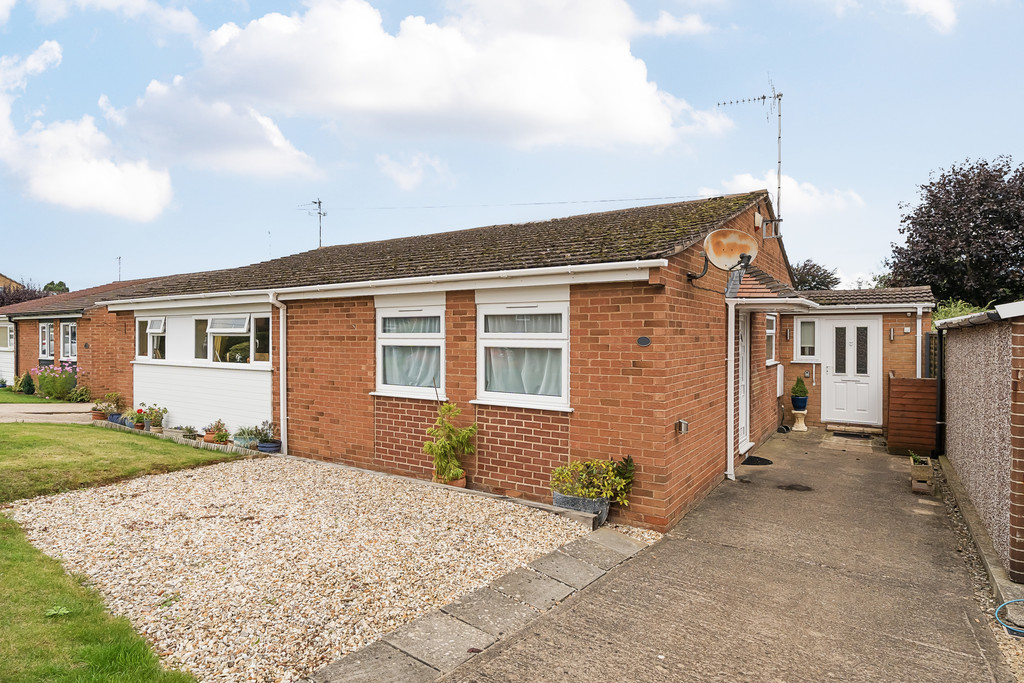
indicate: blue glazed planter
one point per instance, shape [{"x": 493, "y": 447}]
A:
[
  {"x": 269, "y": 446},
  {"x": 114, "y": 417},
  {"x": 799, "y": 402}
]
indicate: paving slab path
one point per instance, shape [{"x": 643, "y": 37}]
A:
[
  {"x": 821, "y": 566},
  {"x": 65, "y": 413}
]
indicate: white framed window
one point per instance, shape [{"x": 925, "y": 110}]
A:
[
  {"x": 69, "y": 341},
  {"x": 151, "y": 338},
  {"x": 410, "y": 350},
  {"x": 523, "y": 354},
  {"x": 805, "y": 340},
  {"x": 6, "y": 337},
  {"x": 770, "y": 321},
  {"x": 46, "y": 341},
  {"x": 232, "y": 338}
]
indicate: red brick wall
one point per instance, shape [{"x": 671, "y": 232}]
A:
[
  {"x": 517, "y": 448},
  {"x": 27, "y": 332},
  {"x": 400, "y": 426},
  {"x": 106, "y": 348}
]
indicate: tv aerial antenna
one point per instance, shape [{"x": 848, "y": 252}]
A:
[
  {"x": 774, "y": 102},
  {"x": 319, "y": 213}
]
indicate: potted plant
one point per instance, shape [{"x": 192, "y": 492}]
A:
[
  {"x": 266, "y": 439},
  {"x": 190, "y": 433},
  {"x": 116, "y": 405},
  {"x": 3, "y": 382},
  {"x": 139, "y": 418},
  {"x": 592, "y": 485},
  {"x": 101, "y": 410},
  {"x": 221, "y": 437},
  {"x": 450, "y": 442},
  {"x": 921, "y": 473},
  {"x": 212, "y": 429},
  {"x": 248, "y": 437},
  {"x": 798, "y": 394},
  {"x": 155, "y": 414}
]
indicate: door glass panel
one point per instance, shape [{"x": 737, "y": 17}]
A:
[
  {"x": 840, "y": 350},
  {"x": 862, "y": 350}
]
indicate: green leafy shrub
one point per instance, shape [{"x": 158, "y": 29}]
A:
[
  {"x": 595, "y": 479},
  {"x": 450, "y": 442},
  {"x": 114, "y": 399},
  {"x": 80, "y": 394},
  {"x": 28, "y": 387},
  {"x": 266, "y": 432},
  {"x": 18, "y": 381},
  {"x": 56, "y": 381},
  {"x": 799, "y": 388}
]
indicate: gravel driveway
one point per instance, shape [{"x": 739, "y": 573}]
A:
[{"x": 265, "y": 570}]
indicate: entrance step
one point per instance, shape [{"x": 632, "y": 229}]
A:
[{"x": 854, "y": 429}]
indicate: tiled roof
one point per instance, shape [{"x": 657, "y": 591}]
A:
[
  {"x": 758, "y": 284},
  {"x": 891, "y": 295},
  {"x": 72, "y": 302},
  {"x": 612, "y": 236}
]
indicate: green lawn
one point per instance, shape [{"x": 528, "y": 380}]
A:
[
  {"x": 84, "y": 643},
  {"x": 7, "y": 395}
]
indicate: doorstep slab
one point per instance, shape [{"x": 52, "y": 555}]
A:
[
  {"x": 440, "y": 640},
  {"x": 533, "y": 588},
  {"x": 594, "y": 553},
  {"x": 567, "y": 569},
  {"x": 492, "y": 612},
  {"x": 376, "y": 663}
]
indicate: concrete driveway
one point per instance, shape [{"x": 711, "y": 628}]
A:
[
  {"x": 77, "y": 413},
  {"x": 822, "y": 566}
]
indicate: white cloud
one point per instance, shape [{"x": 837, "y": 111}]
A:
[
  {"x": 72, "y": 163},
  {"x": 941, "y": 14},
  {"x": 5, "y": 10},
  {"x": 115, "y": 116},
  {"x": 175, "y": 20},
  {"x": 669, "y": 25},
  {"x": 527, "y": 73},
  {"x": 410, "y": 173},
  {"x": 800, "y": 198}
]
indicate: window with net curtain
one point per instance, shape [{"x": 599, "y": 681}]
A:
[
  {"x": 410, "y": 344},
  {"x": 524, "y": 353}
]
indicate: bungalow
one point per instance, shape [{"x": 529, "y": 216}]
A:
[
  {"x": 595, "y": 336},
  {"x": 71, "y": 327}
]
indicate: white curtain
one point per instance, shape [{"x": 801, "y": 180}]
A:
[
  {"x": 412, "y": 366},
  {"x": 422, "y": 325},
  {"x": 530, "y": 323},
  {"x": 523, "y": 371}
]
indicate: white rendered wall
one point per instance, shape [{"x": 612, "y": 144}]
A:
[{"x": 196, "y": 396}]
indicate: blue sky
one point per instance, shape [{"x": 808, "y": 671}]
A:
[{"x": 186, "y": 136}]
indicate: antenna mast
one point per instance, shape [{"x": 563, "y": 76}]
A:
[
  {"x": 774, "y": 102},
  {"x": 319, "y": 213}
]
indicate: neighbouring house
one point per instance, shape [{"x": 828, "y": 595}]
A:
[
  {"x": 984, "y": 416},
  {"x": 73, "y": 328},
  {"x": 9, "y": 283},
  {"x": 591, "y": 336},
  {"x": 863, "y": 354}
]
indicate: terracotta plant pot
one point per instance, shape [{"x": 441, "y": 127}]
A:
[
  {"x": 210, "y": 437},
  {"x": 457, "y": 483},
  {"x": 157, "y": 430},
  {"x": 99, "y": 415},
  {"x": 140, "y": 425}
]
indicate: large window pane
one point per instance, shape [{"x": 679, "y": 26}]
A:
[
  {"x": 412, "y": 366},
  {"x": 261, "y": 338},
  {"x": 142, "y": 337},
  {"x": 523, "y": 371},
  {"x": 524, "y": 323},
  {"x": 862, "y": 350},
  {"x": 159, "y": 343},
  {"x": 411, "y": 325},
  {"x": 201, "y": 349},
  {"x": 840, "y": 350},
  {"x": 230, "y": 348},
  {"x": 807, "y": 347}
]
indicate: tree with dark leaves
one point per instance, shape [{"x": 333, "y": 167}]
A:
[
  {"x": 811, "y": 275},
  {"x": 11, "y": 295},
  {"x": 966, "y": 237}
]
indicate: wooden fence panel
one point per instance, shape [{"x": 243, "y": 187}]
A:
[{"x": 911, "y": 419}]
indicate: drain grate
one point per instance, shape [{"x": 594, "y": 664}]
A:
[
  {"x": 754, "y": 460},
  {"x": 794, "y": 487},
  {"x": 847, "y": 435}
]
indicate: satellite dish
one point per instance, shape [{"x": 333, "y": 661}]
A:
[{"x": 724, "y": 248}]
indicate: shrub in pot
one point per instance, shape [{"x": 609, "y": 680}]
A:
[
  {"x": 266, "y": 440},
  {"x": 449, "y": 443},
  {"x": 798, "y": 394},
  {"x": 212, "y": 429},
  {"x": 592, "y": 485}
]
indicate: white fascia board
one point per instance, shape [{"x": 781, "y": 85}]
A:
[
  {"x": 874, "y": 308},
  {"x": 46, "y": 316},
  {"x": 624, "y": 271},
  {"x": 773, "y": 304},
  {"x": 1013, "y": 309}
]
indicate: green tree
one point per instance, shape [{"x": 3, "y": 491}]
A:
[
  {"x": 811, "y": 275},
  {"x": 966, "y": 236},
  {"x": 58, "y": 287}
]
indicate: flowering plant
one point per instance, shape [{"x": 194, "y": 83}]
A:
[
  {"x": 56, "y": 381},
  {"x": 154, "y": 413},
  {"x": 139, "y": 417}
]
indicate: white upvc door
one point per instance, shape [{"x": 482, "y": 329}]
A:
[
  {"x": 851, "y": 387},
  {"x": 743, "y": 383}
]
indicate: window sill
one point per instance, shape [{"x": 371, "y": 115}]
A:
[
  {"x": 417, "y": 397},
  {"x": 523, "y": 404},
  {"x": 806, "y": 361},
  {"x": 771, "y": 363},
  {"x": 235, "y": 367}
]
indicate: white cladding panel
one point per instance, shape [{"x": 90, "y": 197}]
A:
[
  {"x": 197, "y": 396},
  {"x": 180, "y": 338},
  {"x": 7, "y": 364}
]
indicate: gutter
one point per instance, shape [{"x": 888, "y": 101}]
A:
[
  {"x": 282, "y": 353},
  {"x": 296, "y": 292}
]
